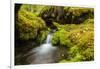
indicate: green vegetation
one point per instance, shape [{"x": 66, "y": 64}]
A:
[
  {"x": 29, "y": 25},
  {"x": 74, "y": 25},
  {"x": 77, "y": 38}
]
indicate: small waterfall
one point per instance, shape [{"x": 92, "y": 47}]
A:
[
  {"x": 45, "y": 53},
  {"x": 48, "y": 40}
]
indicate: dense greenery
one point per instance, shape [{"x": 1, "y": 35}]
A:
[
  {"x": 30, "y": 25},
  {"x": 74, "y": 29},
  {"x": 78, "y": 39}
]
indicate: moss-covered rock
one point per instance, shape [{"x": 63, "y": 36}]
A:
[
  {"x": 42, "y": 36},
  {"x": 78, "y": 15},
  {"x": 77, "y": 39},
  {"x": 83, "y": 42},
  {"x": 89, "y": 21},
  {"x": 29, "y": 25},
  {"x": 61, "y": 38}
]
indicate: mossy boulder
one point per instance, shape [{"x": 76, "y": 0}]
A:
[
  {"x": 76, "y": 15},
  {"x": 29, "y": 25},
  {"x": 61, "y": 38},
  {"x": 83, "y": 42},
  {"x": 42, "y": 36},
  {"x": 77, "y": 39}
]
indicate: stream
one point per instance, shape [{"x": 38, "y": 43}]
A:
[{"x": 45, "y": 53}]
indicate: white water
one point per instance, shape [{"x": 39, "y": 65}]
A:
[
  {"x": 48, "y": 39},
  {"x": 45, "y": 53}
]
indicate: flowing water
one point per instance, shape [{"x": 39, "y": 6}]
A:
[{"x": 45, "y": 53}]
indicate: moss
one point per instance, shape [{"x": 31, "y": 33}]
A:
[
  {"x": 42, "y": 36},
  {"x": 78, "y": 15},
  {"x": 29, "y": 25},
  {"x": 52, "y": 13},
  {"x": 89, "y": 21},
  {"x": 63, "y": 61},
  {"x": 83, "y": 41},
  {"x": 88, "y": 54},
  {"x": 34, "y": 9},
  {"x": 77, "y": 38},
  {"x": 61, "y": 38},
  {"x": 77, "y": 58}
]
